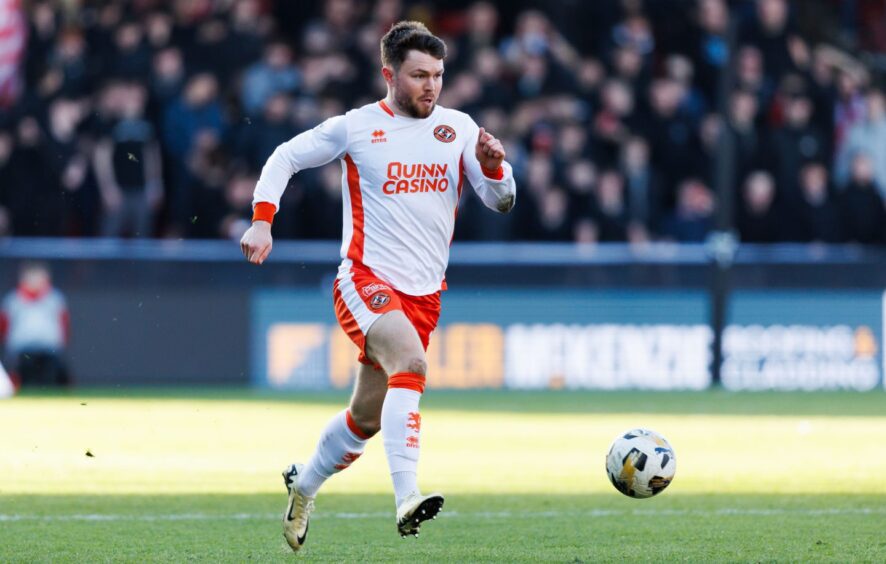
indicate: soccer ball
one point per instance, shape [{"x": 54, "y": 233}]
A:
[{"x": 640, "y": 463}]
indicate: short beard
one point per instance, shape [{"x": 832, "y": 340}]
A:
[{"x": 411, "y": 108}]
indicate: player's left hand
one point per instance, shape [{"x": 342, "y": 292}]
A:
[{"x": 490, "y": 152}]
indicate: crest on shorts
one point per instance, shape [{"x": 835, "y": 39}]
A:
[
  {"x": 444, "y": 133},
  {"x": 379, "y": 300}
]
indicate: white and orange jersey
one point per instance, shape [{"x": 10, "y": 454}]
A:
[{"x": 401, "y": 182}]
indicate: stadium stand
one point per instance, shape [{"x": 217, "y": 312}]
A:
[{"x": 152, "y": 119}]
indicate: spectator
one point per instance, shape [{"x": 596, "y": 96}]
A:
[
  {"x": 750, "y": 76},
  {"x": 480, "y": 34},
  {"x": 70, "y": 166},
  {"x": 198, "y": 109},
  {"x": 581, "y": 86},
  {"x": 612, "y": 124},
  {"x": 553, "y": 220},
  {"x": 158, "y": 30},
  {"x": 793, "y": 145},
  {"x": 750, "y": 144},
  {"x": 671, "y": 132},
  {"x": 611, "y": 214},
  {"x": 758, "y": 220},
  {"x": 692, "y": 219},
  {"x": 70, "y": 72},
  {"x": 167, "y": 81},
  {"x": 128, "y": 168},
  {"x": 644, "y": 192},
  {"x": 868, "y": 136},
  {"x": 196, "y": 113},
  {"x": 238, "y": 197},
  {"x": 34, "y": 194},
  {"x": 209, "y": 173},
  {"x": 707, "y": 48},
  {"x": 849, "y": 108},
  {"x": 581, "y": 179},
  {"x": 862, "y": 212},
  {"x": 819, "y": 216},
  {"x": 772, "y": 33},
  {"x": 35, "y": 328},
  {"x": 258, "y": 138},
  {"x": 274, "y": 74},
  {"x": 132, "y": 55}
]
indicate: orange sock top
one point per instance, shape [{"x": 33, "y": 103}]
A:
[{"x": 408, "y": 380}]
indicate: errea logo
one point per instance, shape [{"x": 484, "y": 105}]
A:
[{"x": 378, "y": 136}]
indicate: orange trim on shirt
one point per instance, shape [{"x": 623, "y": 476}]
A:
[
  {"x": 355, "y": 249},
  {"x": 494, "y": 174},
  {"x": 264, "y": 211},
  {"x": 461, "y": 178},
  {"x": 408, "y": 380},
  {"x": 385, "y": 107}
]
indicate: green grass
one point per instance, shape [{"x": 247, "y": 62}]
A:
[{"x": 195, "y": 476}]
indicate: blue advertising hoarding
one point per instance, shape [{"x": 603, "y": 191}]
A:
[
  {"x": 803, "y": 340},
  {"x": 503, "y": 338}
]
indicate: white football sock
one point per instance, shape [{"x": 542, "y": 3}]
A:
[
  {"x": 340, "y": 444},
  {"x": 7, "y": 389},
  {"x": 401, "y": 429}
]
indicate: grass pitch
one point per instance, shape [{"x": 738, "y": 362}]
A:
[{"x": 176, "y": 476}]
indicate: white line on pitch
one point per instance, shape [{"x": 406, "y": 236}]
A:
[{"x": 725, "y": 511}]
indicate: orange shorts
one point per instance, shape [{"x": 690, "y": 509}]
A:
[{"x": 361, "y": 299}]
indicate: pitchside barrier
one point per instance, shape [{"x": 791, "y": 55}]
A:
[{"x": 516, "y": 316}]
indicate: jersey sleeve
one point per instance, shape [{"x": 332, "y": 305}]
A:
[
  {"x": 309, "y": 149},
  {"x": 497, "y": 189}
]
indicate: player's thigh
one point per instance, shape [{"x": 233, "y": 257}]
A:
[
  {"x": 393, "y": 342},
  {"x": 368, "y": 397}
]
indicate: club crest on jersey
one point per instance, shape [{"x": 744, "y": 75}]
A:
[
  {"x": 378, "y": 136},
  {"x": 379, "y": 300},
  {"x": 444, "y": 133}
]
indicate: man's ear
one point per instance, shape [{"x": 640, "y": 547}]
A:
[{"x": 388, "y": 74}]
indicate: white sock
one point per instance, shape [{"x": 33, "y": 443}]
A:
[
  {"x": 7, "y": 389},
  {"x": 340, "y": 444},
  {"x": 404, "y": 484},
  {"x": 401, "y": 430}
]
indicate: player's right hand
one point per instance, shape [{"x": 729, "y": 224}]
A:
[{"x": 257, "y": 242}]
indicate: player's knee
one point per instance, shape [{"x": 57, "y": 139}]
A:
[
  {"x": 367, "y": 423},
  {"x": 413, "y": 363},
  {"x": 417, "y": 365}
]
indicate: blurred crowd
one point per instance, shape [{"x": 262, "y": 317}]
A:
[{"x": 152, "y": 118}]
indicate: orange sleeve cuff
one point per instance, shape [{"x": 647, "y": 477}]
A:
[
  {"x": 264, "y": 211},
  {"x": 494, "y": 174}
]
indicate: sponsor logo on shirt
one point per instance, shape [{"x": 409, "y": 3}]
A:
[
  {"x": 373, "y": 288},
  {"x": 406, "y": 178},
  {"x": 378, "y": 136},
  {"x": 444, "y": 133}
]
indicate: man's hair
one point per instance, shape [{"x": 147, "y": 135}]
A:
[{"x": 405, "y": 36}]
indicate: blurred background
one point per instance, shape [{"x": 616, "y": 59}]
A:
[{"x": 701, "y": 184}]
